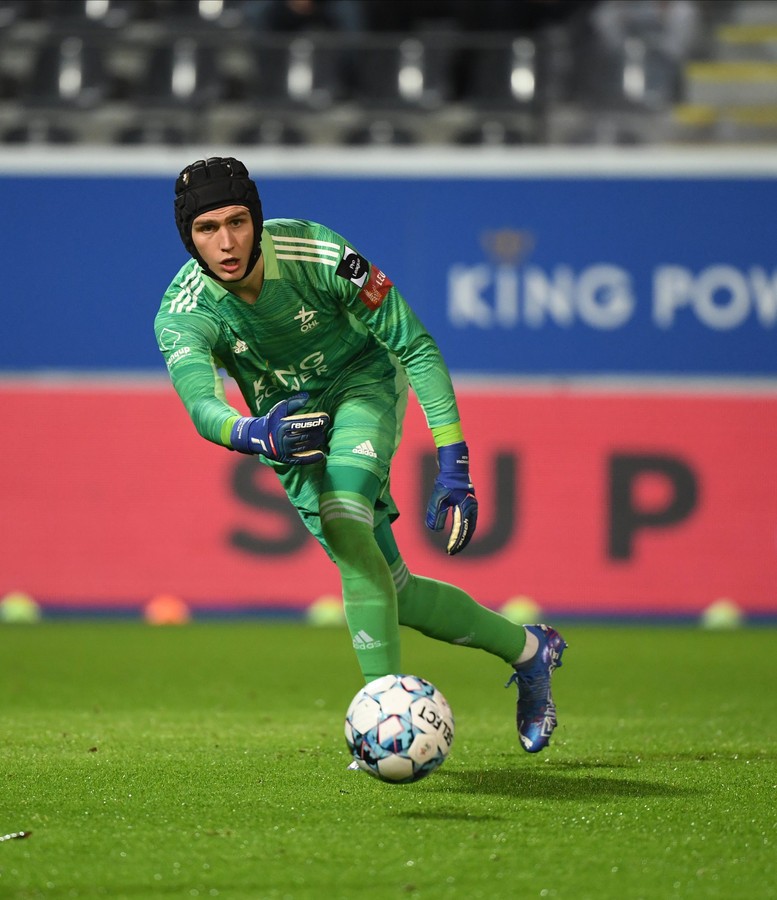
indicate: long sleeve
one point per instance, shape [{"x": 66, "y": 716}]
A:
[
  {"x": 187, "y": 348},
  {"x": 399, "y": 329}
]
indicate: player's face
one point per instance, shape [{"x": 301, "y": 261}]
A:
[{"x": 224, "y": 238}]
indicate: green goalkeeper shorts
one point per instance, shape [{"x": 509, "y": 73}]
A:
[{"x": 367, "y": 406}]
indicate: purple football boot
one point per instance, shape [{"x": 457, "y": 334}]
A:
[{"x": 536, "y": 713}]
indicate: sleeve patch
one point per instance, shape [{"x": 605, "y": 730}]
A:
[
  {"x": 353, "y": 267},
  {"x": 374, "y": 291},
  {"x": 168, "y": 339}
]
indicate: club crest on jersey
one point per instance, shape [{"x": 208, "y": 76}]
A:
[
  {"x": 307, "y": 318},
  {"x": 353, "y": 266}
]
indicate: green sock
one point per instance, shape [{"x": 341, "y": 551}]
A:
[
  {"x": 447, "y": 613},
  {"x": 369, "y": 595}
]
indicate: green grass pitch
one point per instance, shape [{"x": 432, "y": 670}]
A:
[{"x": 208, "y": 760}]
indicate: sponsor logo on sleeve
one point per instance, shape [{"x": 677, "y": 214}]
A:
[
  {"x": 177, "y": 356},
  {"x": 374, "y": 291},
  {"x": 167, "y": 342},
  {"x": 353, "y": 267}
]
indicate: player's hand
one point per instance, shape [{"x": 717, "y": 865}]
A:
[
  {"x": 453, "y": 490},
  {"x": 281, "y": 435}
]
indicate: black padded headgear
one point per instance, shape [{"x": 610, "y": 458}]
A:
[{"x": 210, "y": 184}]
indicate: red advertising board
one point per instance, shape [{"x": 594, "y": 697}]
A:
[{"x": 590, "y": 503}]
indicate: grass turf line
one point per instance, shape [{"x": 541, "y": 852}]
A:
[{"x": 208, "y": 761}]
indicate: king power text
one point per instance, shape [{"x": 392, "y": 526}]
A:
[{"x": 606, "y": 297}]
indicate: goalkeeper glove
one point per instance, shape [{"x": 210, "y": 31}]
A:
[
  {"x": 453, "y": 490},
  {"x": 282, "y": 436}
]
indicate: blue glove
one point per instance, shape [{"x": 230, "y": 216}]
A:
[
  {"x": 453, "y": 490},
  {"x": 282, "y": 436}
]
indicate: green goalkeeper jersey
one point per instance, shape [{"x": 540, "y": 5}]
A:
[{"x": 324, "y": 316}]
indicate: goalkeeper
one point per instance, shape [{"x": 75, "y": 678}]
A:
[{"x": 322, "y": 347}]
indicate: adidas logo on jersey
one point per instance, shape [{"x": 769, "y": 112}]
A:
[
  {"x": 240, "y": 346},
  {"x": 362, "y": 641},
  {"x": 366, "y": 449}
]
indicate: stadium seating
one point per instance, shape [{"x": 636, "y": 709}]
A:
[
  {"x": 68, "y": 72},
  {"x": 303, "y": 72},
  {"x": 181, "y": 73},
  {"x": 102, "y": 70}
]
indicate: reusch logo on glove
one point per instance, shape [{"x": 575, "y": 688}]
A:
[{"x": 306, "y": 423}]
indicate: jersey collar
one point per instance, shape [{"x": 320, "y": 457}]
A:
[{"x": 268, "y": 252}]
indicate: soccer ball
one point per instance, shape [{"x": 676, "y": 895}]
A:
[{"x": 399, "y": 728}]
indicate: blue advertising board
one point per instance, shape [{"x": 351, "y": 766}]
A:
[{"x": 567, "y": 273}]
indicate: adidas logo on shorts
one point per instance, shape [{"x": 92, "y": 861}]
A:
[{"x": 366, "y": 449}]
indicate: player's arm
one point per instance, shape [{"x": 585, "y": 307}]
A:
[
  {"x": 186, "y": 344},
  {"x": 453, "y": 489},
  {"x": 373, "y": 299},
  {"x": 399, "y": 329},
  {"x": 283, "y": 435}
]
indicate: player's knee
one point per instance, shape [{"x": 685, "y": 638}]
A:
[{"x": 347, "y": 539}]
